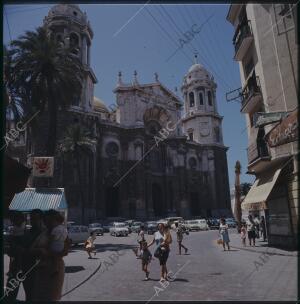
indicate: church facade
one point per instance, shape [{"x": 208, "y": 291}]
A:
[{"x": 156, "y": 155}]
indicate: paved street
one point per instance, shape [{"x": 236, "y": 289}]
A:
[{"x": 207, "y": 273}]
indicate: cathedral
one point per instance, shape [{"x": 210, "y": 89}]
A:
[{"x": 156, "y": 155}]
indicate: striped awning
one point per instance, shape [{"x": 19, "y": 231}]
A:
[{"x": 39, "y": 198}]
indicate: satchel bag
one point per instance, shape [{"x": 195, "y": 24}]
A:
[{"x": 157, "y": 252}]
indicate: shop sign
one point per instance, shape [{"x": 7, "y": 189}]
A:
[
  {"x": 43, "y": 166},
  {"x": 284, "y": 132}
]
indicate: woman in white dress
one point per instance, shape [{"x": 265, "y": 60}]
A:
[{"x": 223, "y": 230}]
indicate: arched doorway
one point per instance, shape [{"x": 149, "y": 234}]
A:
[
  {"x": 157, "y": 199},
  {"x": 195, "y": 204},
  {"x": 112, "y": 201}
]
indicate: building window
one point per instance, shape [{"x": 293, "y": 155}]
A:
[
  {"x": 217, "y": 134},
  {"x": 283, "y": 17},
  {"x": 209, "y": 97},
  {"x": 191, "y": 136},
  {"x": 192, "y": 99},
  {"x": 201, "y": 98}
]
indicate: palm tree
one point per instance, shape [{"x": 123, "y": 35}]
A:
[
  {"x": 47, "y": 75},
  {"x": 76, "y": 143}
]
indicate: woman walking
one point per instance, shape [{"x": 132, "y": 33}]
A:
[
  {"x": 223, "y": 230},
  {"x": 89, "y": 244},
  {"x": 50, "y": 270},
  {"x": 179, "y": 233},
  {"x": 251, "y": 230},
  {"x": 162, "y": 239}
]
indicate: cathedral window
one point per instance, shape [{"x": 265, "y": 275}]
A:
[
  {"x": 191, "y": 136},
  {"x": 201, "y": 98},
  {"x": 209, "y": 97},
  {"x": 74, "y": 43},
  {"x": 192, "y": 99}
]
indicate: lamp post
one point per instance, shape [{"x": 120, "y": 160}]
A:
[{"x": 238, "y": 210}]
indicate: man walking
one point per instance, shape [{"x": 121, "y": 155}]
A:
[{"x": 179, "y": 233}]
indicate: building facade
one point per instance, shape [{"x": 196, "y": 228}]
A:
[
  {"x": 150, "y": 159},
  {"x": 266, "y": 48}
]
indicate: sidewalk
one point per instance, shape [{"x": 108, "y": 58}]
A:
[{"x": 260, "y": 246}]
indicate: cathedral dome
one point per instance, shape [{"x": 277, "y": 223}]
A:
[
  {"x": 67, "y": 10},
  {"x": 99, "y": 105},
  {"x": 197, "y": 71}
]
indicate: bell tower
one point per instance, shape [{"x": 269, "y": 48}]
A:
[
  {"x": 201, "y": 121},
  {"x": 70, "y": 26}
]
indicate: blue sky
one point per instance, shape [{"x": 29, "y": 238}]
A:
[{"x": 146, "y": 43}]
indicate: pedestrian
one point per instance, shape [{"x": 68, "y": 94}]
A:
[
  {"x": 89, "y": 245},
  {"x": 179, "y": 233},
  {"x": 251, "y": 230},
  {"x": 223, "y": 231},
  {"x": 257, "y": 226},
  {"x": 58, "y": 233},
  {"x": 263, "y": 228},
  {"x": 140, "y": 240},
  {"x": 50, "y": 270},
  {"x": 243, "y": 234},
  {"x": 146, "y": 257},
  {"x": 29, "y": 260},
  {"x": 162, "y": 238},
  {"x": 15, "y": 253}
]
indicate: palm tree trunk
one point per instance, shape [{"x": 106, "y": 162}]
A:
[
  {"x": 80, "y": 185},
  {"x": 52, "y": 107}
]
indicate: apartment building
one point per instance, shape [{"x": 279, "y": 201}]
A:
[{"x": 266, "y": 49}]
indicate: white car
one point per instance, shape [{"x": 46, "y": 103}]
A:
[
  {"x": 119, "y": 229},
  {"x": 196, "y": 225},
  {"x": 78, "y": 234}
]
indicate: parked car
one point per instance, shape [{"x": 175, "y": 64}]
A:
[
  {"x": 78, "y": 234},
  {"x": 172, "y": 220},
  {"x": 213, "y": 224},
  {"x": 231, "y": 223},
  {"x": 119, "y": 229},
  {"x": 162, "y": 221},
  {"x": 97, "y": 228},
  {"x": 151, "y": 227},
  {"x": 106, "y": 227},
  {"x": 136, "y": 227},
  {"x": 196, "y": 225},
  {"x": 128, "y": 226}
]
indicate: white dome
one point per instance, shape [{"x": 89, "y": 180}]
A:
[
  {"x": 195, "y": 67},
  {"x": 68, "y": 10}
]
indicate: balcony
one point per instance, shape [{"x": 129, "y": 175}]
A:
[
  {"x": 251, "y": 94},
  {"x": 242, "y": 39},
  {"x": 257, "y": 152}
]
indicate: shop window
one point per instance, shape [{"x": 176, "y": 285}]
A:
[{"x": 192, "y": 99}]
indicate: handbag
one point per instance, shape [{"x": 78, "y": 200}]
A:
[{"x": 157, "y": 252}]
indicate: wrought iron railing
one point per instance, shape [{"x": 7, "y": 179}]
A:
[{"x": 243, "y": 31}]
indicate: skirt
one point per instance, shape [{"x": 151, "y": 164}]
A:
[{"x": 225, "y": 237}]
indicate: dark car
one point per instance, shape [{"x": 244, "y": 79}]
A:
[
  {"x": 97, "y": 228},
  {"x": 107, "y": 226},
  {"x": 213, "y": 224},
  {"x": 151, "y": 227},
  {"x": 231, "y": 223}
]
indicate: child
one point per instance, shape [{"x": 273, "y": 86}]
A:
[
  {"x": 58, "y": 233},
  {"x": 146, "y": 257},
  {"x": 140, "y": 240},
  {"x": 89, "y": 244},
  {"x": 243, "y": 234}
]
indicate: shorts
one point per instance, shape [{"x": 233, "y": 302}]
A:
[
  {"x": 163, "y": 257},
  {"x": 251, "y": 235}
]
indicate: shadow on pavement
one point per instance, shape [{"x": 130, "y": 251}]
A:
[
  {"x": 73, "y": 269},
  {"x": 104, "y": 247},
  {"x": 180, "y": 280}
]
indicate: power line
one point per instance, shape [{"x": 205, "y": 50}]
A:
[
  {"x": 212, "y": 69},
  {"x": 178, "y": 30},
  {"x": 7, "y": 24},
  {"x": 166, "y": 33}
]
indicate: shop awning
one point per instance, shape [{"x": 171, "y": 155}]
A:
[
  {"x": 260, "y": 191},
  {"x": 39, "y": 198}
]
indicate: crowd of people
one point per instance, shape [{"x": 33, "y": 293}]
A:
[{"x": 36, "y": 256}]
